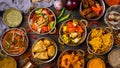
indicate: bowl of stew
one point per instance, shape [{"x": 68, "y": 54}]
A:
[
  {"x": 14, "y": 42},
  {"x": 73, "y": 32},
  {"x": 42, "y": 21}
]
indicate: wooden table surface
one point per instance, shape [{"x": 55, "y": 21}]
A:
[{"x": 21, "y": 60}]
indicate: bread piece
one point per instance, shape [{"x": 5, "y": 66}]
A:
[
  {"x": 51, "y": 51},
  {"x": 39, "y": 47},
  {"x": 42, "y": 55}
]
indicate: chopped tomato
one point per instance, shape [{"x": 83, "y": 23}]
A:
[
  {"x": 79, "y": 29},
  {"x": 97, "y": 9},
  {"x": 44, "y": 28},
  {"x": 48, "y": 28},
  {"x": 71, "y": 30},
  {"x": 33, "y": 27},
  {"x": 70, "y": 25}
]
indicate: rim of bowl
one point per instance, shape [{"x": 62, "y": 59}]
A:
[
  {"x": 96, "y": 58},
  {"x": 92, "y": 50},
  {"x": 26, "y": 43},
  {"x": 36, "y": 31},
  {"x": 102, "y": 13},
  {"x": 55, "y": 45},
  {"x": 105, "y": 17},
  {"x": 85, "y": 30},
  {"x": 110, "y": 54},
  {"x": 67, "y": 51},
  {"x": 7, "y": 12}
]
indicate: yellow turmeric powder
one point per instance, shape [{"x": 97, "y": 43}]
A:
[{"x": 96, "y": 63}]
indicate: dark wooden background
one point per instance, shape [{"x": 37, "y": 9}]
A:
[{"x": 21, "y": 60}]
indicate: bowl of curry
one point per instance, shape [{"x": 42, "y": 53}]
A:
[
  {"x": 100, "y": 41},
  {"x": 14, "y": 42}
]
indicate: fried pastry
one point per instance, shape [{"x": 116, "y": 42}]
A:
[
  {"x": 39, "y": 47},
  {"x": 51, "y": 51},
  {"x": 46, "y": 42},
  {"x": 42, "y": 55}
]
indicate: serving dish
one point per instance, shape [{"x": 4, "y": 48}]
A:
[
  {"x": 7, "y": 61},
  {"x": 71, "y": 58},
  {"x": 73, "y": 32},
  {"x": 92, "y": 10},
  {"x": 44, "y": 50},
  {"x": 12, "y": 17},
  {"x": 42, "y": 21},
  {"x": 114, "y": 58},
  {"x": 96, "y": 63},
  {"x": 100, "y": 41},
  {"x": 14, "y": 42},
  {"x": 112, "y": 17}
]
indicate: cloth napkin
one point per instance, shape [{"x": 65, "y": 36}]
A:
[
  {"x": 23, "y": 5},
  {"x": 3, "y": 27}
]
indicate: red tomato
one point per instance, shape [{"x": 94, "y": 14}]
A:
[
  {"x": 79, "y": 29},
  {"x": 71, "y": 30},
  {"x": 70, "y": 25},
  {"x": 44, "y": 28}
]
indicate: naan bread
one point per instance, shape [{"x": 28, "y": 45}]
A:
[{"x": 51, "y": 51}]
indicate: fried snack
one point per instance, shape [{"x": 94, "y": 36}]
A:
[
  {"x": 42, "y": 55},
  {"x": 91, "y": 2},
  {"x": 51, "y": 51},
  {"x": 86, "y": 11},
  {"x": 65, "y": 61},
  {"x": 44, "y": 49},
  {"x": 100, "y": 41},
  {"x": 71, "y": 60},
  {"x": 39, "y": 47},
  {"x": 46, "y": 42},
  {"x": 91, "y": 15}
]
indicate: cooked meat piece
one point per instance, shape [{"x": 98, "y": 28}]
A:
[
  {"x": 91, "y": 2},
  {"x": 91, "y": 15},
  {"x": 86, "y": 11},
  {"x": 85, "y": 3}
]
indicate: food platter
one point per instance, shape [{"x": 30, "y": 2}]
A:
[{"x": 88, "y": 55}]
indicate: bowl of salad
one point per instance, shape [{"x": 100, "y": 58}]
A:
[
  {"x": 42, "y": 21},
  {"x": 73, "y": 32}
]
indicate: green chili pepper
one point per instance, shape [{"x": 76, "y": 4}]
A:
[
  {"x": 51, "y": 24},
  {"x": 63, "y": 18},
  {"x": 61, "y": 13},
  {"x": 38, "y": 11}
]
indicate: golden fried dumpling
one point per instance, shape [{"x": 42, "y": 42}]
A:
[
  {"x": 51, "y": 51},
  {"x": 46, "y": 42},
  {"x": 42, "y": 55},
  {"x": 39, "y": 47}
]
